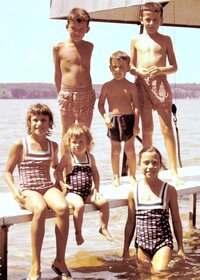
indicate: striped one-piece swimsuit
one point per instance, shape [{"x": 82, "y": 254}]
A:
[
  {"x": 152, "y": 223},
  {"x": 34, "y": 169}
]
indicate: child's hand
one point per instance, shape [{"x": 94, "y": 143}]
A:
[
  {"x": 153, "y": 71},
  {"x": 19, "y": 197},
  {"x": 181, "y": 253},
  {"x": 143, "y": 72},
  {"x": 64, "y": 188},
  {"x": 136, "y": 130},
  {"x": 107, "y": 121}
]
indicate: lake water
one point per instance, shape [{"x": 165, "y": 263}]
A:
[{"x": 98, "y": 258}]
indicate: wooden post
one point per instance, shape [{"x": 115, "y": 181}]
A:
[
  {"x": 192, "y": 213},
  {"x": 3, "y": 251}
]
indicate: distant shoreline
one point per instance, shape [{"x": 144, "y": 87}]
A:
[{"x": 48, "y": 90}]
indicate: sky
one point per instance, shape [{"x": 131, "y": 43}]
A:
[{"x": 27, "y": 35}]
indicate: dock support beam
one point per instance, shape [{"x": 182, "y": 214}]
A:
[
  {"x": 193, "y": 211},
  {"x": 3, "y": 251}
]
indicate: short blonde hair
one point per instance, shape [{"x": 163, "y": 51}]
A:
[
  {"x": 76, "y": 130},
  {"x": 120, "y": 55}
]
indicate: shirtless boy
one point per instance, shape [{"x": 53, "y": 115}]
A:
[
  {"x": 150, "y": 52},
  {"x": 123, "y": 118},
  {"x": 73, "y": 82}
]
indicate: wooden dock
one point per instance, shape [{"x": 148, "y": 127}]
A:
[{"x": 11, "y": 213}]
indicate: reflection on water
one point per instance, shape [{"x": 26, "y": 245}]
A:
[{"x": 97, "y": 258}]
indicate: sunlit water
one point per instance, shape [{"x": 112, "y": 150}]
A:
[{"x": 98, "y": 258}]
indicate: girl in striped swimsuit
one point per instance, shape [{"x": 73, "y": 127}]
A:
[
  {"x": 148, "y": 212},
  {"x": 34, "y": 155},
  {"x": 81, "y": 173}
]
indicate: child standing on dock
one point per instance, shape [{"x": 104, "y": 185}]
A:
[
  {"x": 81, "y": 173},
  {"x": 123, "y": 118},
  {"x": 34, "y": 155},
  {"x": 149, "y": 203},
  {"x": 73, "y": 82},
  {"x": 149, "y": 54}
]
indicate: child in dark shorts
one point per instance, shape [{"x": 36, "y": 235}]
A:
[{"x": 123, "y": 118}]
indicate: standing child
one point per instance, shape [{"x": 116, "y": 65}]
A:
[
  {"x": 149, "y": 54},
  {"x": 123, "y": 118},
  {"x": 148, "y": 213},
  {"x": 73, "y": 82},
  {"x": 81, "y": 172},
  {"x": 34, "y": 155}
]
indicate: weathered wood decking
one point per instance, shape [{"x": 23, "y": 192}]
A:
[{"x": 11, "y": 213}]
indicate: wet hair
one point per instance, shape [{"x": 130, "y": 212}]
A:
[
  {"x": 39, "y": 109},
  {"x": 76, "y": 130},
  {"x": 120, "y": 55},
  {"x": 78, "y": 15},
  {"x": 149, "y": 150},
  {"x": 151, "y": 7}
]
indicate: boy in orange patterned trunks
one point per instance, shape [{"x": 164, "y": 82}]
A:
[{"x": 149, "y": 54}]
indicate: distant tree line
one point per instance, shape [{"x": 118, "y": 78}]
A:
[{"x": 48, "y": 91}]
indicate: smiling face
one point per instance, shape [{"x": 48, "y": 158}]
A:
[
  {"x": 77, "y": 30},
  {"x": 150, "y": 164},
  {"x": 39, "y": 124},
  {"x": 119, "y": 68},
  {"x": 151, "y": 21}
]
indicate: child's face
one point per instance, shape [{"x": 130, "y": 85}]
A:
[
  {"x": 77, "y": 30},
  {"x": 78, "y": 145},
  {"x": 150, "y": 164},
  {"x": 119, "y": 68},
  {"x": 151, "y": 21},
  {"x": 40, "y": 124}
]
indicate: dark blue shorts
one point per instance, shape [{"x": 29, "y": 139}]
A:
[{"x": 122, "y": 127}]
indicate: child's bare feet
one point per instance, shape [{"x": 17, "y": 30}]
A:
[
  {"x": 177, "y": 180},
  {"x": 106, "y": 233},
  {"x": 116, "y": 181},
  {"x": 79, "y": 238}
]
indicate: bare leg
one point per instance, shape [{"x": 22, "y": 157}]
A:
[
  {"x": 161, "y": 258},
  {"x": 115, "y": 160},
  {"x": 66, "y": 121},
  {"x": 168, "y": 134},
  {"x": 103, "y": 206},
  {"x": 129, "y": 148},
  {"x": 57, "y": 202},
  {"x": 36, "y": 203},
  {"x": 147, "y": 126},
  {"x": 78, "y": 204}
]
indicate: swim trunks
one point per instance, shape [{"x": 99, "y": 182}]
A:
[
  {"x": 34, "y": 169},
  {"x": 76, "y": 101},
  {"x": 122, "y": 127},
  {"x": 80, "y": 179},
  {"x": 152, "y": 223},
  {"x": 154, "y": 92}
]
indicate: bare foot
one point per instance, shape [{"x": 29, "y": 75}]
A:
[
  {"x": 116, "y": 181},
  {"x": 61, "y": 269},
  {"x": 106, "y": 233},
  {"x": 79, "y": 239}
]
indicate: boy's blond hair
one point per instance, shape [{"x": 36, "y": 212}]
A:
[
  {"x": 76, "y": 130},
  {"x": 120, "y": 55}
]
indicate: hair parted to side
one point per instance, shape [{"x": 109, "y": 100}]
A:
[
  {"x": 39, "y": 109},
  {"x": 120, "y": 55},
  {"x": 151, "y": 7},
  {"x": 76, "y": 130},
  {"x": 79, "y": 15},
  {"x": 149, "y": 150}
]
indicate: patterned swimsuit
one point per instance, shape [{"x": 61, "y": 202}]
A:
[
  {"x": 80, "y": 179},
  {"x": 152, "y": 223},
  {"x": 34, "y": 169}
]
